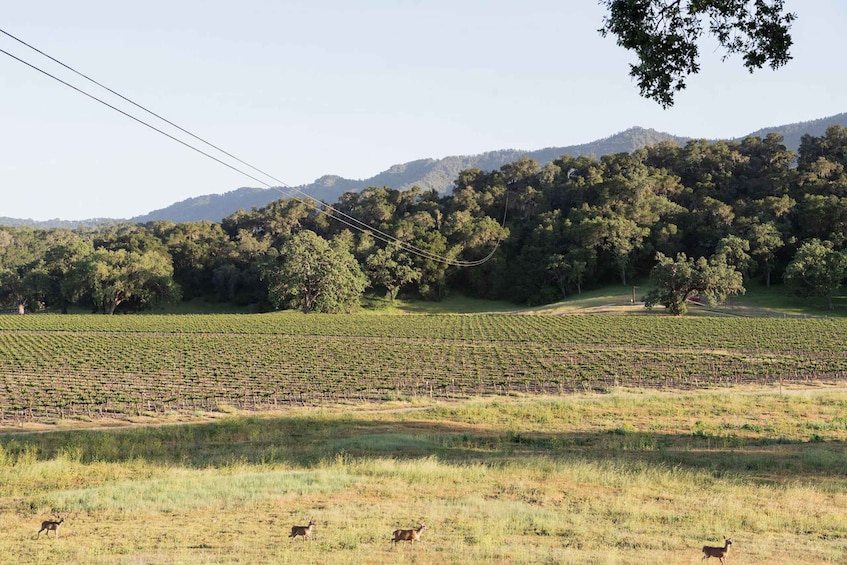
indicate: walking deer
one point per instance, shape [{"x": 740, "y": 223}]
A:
[
  {"x": 719, "y": 552},
  {"x": 305, "y": 531},
  {"x": 50, "y": 525},
  {"x": 408, "y": 535}
]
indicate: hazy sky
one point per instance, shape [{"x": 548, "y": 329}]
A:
[{"x": 306, "y": 88}]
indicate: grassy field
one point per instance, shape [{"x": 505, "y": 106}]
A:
[
  {"x": 758, "y": 301},
  {"x": 516, "y": 437},
  {"x": 624, "y": 477}
]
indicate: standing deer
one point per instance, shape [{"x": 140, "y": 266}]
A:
[
  {"x": 305, "y": 531},
  {"x": 719, "y": 552},
  {"x": 408, "y": 535},
  {"x": 50, "y": 525}
]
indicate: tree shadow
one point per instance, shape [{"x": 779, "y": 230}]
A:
[{"x": 304, "y": 441}]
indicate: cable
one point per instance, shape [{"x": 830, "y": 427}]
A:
[
  {"x": 320, "y": 207},
  {"x": 154, "y": 128},
  {"x": 130, "y": 116}
]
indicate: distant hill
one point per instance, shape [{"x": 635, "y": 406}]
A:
[
  {"x": 57, "y": 223},
  {"x": 437, "y": 174},
  {"x": 213, "y": 207},
  {"x": 793, "y": 132}
]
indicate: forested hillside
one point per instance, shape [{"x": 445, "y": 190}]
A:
[
  {"x": 439, "y": 174},
  {"x": 427, "y": 174},
  {"x": 574, "y": 223}
]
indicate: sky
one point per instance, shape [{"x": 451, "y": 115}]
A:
[{"x": 306, "y": 88}]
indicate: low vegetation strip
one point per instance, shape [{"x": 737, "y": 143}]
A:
[
  {"x": 626, "y": 477},
  {"x": 812, "y": 334},
  {"x": 95, "y": 366}
]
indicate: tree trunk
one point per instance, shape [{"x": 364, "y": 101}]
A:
[
  {"x": 21, "y": 307},
  {"x": 308, "y": 302}
]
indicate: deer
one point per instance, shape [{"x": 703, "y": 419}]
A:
[
  {"x": 408, "y": 535},
  {"x": 719, "y": 552},
  {"x": 305, "y": 531},
  {"x": 50, "y": 525}
]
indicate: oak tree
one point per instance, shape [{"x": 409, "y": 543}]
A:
[
  {"x": 817, "y": 270},
  {"x": 313, "y": 275},
  {"x": 665, "y": 34},
  {"x": 677, "y": 280}
]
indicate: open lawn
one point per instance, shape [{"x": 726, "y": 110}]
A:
[
  {"x": 757, "y": 301},
  {"x": 624, "y": 477}
]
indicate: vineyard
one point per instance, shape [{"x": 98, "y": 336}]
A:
[{"x": 54, "y": 366}]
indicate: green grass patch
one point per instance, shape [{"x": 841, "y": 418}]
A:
[{"x": 626, "y": 477}]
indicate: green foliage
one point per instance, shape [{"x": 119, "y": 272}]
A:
[
  {"x": 85, "y": 366},
  {"x": 198, "y": 250},
  {"x": 665, "y": 35},
  {"x": 817, "y": 270},
  {"x": 575, "y": 225},
  {"x": 567, "y": 272},
  {"x": 678, "y": 280},
  {"x": 825, "y": 156},
  {"x": 619, "y": 236},
  {"x": 66, "y": 253},
  {"x": 823, "y": 217},
  {"x": 114, "y": 277},
  {"x": 314, "y": 276},
  {"x": 733, "y": 251},
  {"x": 764, "y": 242},
  {"x": 391, "y": 269},
  {"x": 21, "y": 267}
]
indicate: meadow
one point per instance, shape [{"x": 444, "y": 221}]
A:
[{"x": 515, "y": 438}]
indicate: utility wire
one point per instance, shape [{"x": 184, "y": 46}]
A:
[
  {"x": 312, "y": 202},
  {"x": 318, "y": 206},
  {"x": 154, "y": 128},
  {"x": 128, "y": 115}
]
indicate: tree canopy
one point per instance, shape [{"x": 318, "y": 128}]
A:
[
  {"x": 677, "y": 280},
  {"x": 573, "y": 224},
  {"x": 817, "y": 270},
  {"x": 664, "y": 35},
  {"x": 314, "y": 276}
]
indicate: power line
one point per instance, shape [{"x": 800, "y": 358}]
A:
[
  {"x": 154, "y": 128},
  {"x": 320, "y": 207}
]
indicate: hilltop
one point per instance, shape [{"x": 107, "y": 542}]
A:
[{"x": 427, "y": 173}]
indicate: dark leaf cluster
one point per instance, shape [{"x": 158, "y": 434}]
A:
[
  {"x": 728, "y": 211},
  {"x": 665, "y": 37}
]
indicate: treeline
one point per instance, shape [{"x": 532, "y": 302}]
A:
[{"x": 572, "y": 224}]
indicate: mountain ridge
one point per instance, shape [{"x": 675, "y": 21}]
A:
[{"x": 427, "y": 173}]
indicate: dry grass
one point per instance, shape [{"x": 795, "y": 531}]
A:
[{"x": 629, "y": 477}]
